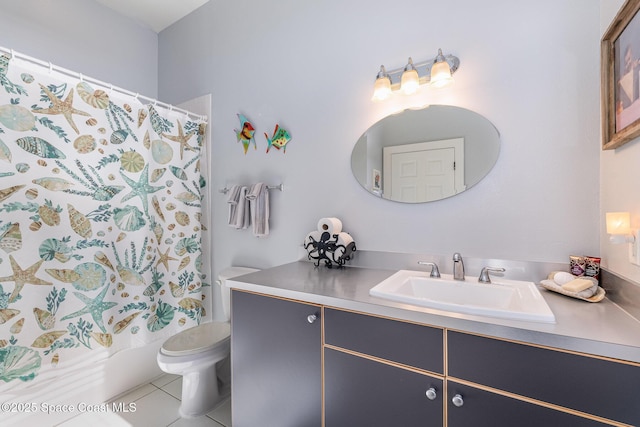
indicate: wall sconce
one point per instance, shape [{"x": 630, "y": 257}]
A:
[
  {"x": 619, "y": 231},
  {"x": 437, "y": 72}
]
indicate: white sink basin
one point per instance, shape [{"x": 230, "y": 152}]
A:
[{"x": 507, "y": 299}]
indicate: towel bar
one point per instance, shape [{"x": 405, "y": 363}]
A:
[{"x": 280, "y": 187}]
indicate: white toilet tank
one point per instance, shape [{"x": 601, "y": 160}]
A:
[{"x": 225, "y": 292}]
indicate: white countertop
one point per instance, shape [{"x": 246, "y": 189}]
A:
[{"x": 602, "y": 329}]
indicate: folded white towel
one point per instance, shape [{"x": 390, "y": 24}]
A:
[
  {"x": 244, "y": 215},
  {"x": 232, "y": 200},
  {"x": 238, "y": 210},
  {"x": 592, "y": 294},
  {"x": 258, "y": 197}
]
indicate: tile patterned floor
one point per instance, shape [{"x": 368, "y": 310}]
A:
[{"x": 156, "y": 404}]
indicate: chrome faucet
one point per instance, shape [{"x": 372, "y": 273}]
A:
[
  {"x": 484, "y": 273},
  {"x": 434, "y": 268},
  {"x": 458, "y": 267}
]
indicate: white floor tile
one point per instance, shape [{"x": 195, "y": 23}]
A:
[
  {"x": 155, "y": 409},
  {"x": 135, "y": 394},
  {"x": 196, "y": 422},
  {"x": 164, "y": 380},
  {"x": 174, "y": 388},
  {"x": 222, "y": 413},
  {"x": 108, "y": 419}
]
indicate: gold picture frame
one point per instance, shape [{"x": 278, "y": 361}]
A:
[{"x": 620, "y": 61}]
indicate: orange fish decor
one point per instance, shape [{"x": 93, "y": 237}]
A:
[
  {"x": 279, "y": 139},
  {"x": 245, "y": 134}
]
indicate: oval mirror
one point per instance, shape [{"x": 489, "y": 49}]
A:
[{"x": 425, "y": 154}]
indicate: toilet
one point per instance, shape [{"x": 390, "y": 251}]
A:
[{"x": 197, "y": 353}]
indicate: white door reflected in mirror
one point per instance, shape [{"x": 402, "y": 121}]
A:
[
  {"x": 430, "y": 175},
  {"x": 423, "y": 171}
]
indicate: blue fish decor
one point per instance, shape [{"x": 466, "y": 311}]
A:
[
  {"x": 279, "y": 139},
  {"x": 245, "y": 134}
]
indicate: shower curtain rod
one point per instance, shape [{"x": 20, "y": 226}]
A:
[{"x": 107, "y": 86}]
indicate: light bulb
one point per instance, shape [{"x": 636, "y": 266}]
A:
[
  {"x": 410, "y": 80},
  {"x": 382, "y": 86},
  {"x": 440, "y": 72}
]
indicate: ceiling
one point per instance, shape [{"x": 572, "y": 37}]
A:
[{"x": 153, "y": 14}]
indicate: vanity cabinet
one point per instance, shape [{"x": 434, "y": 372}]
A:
[
  {"x": 276, "y": 362},
  {"x": 299, "y": 364},
  {"x": 381, "y": 372}
]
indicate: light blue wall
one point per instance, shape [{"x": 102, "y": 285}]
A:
[
  {"x": 85, "y": 37},
  {"x": 187, "y": 67},
  {"x": 531, "y": 68},
  {"x": 309, "y": 66}
]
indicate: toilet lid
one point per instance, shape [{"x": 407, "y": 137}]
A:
[{"x": 197, "y": 339}]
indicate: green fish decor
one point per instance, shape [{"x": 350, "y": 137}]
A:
[
  {"x": 279, "y": 139},
  {"x": 245, "y": 134}
]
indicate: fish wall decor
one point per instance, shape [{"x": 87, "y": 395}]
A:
[
  {"x": 279, "y": 139},
  {"x": 245, "y": 134}
]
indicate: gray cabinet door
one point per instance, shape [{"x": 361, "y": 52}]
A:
[
  {"x": 363, "y": 392},
  {"x": 276, "y": 362}
]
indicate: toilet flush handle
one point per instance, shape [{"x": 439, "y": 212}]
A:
[{"x": 312, "y": 317}]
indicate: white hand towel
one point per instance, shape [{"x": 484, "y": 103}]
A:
[
  {"x": 232, "y": 200},
  {"x": 258, "y": 197},
  {"x": 244, "y": 215},
  {"x": 238, "y": 210}
]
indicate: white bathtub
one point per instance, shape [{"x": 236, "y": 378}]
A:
[{"x": 95, "y": 382}]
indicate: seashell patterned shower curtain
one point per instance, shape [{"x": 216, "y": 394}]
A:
[{"x": 100, "y": 223}]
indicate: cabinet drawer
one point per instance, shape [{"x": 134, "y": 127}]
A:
[
  {"x": 406, "y": 343},
  {"x": 594, "y": 386},
  {"x": 485, "y": 409}
]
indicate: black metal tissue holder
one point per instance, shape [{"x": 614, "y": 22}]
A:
[{"x": 326, "y": 250}]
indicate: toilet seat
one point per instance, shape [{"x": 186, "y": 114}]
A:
[{"x": 197, "y": 339}]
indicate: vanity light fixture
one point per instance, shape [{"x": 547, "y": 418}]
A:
[
  {"x": 620, "y": 231},
  {"x": 436, "y": 72}
]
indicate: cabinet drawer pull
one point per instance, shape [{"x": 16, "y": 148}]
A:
[
  {"x": 312, "y": 318},
  {"x": 457, "y": 400},
  {"x": 431, "y": 394}
]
